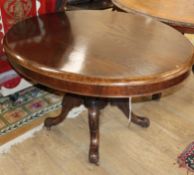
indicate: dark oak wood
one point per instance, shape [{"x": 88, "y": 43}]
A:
[
  {"x": 68, "y": 103},
  {"x": 94, "y": 105},
  {"x": 156, "y": 96},
  {"x": 94, "y": 133},
  {"x": 123, "y": 105},
  {"x": 89, "y": 5},
  {"x": 115, "y": 55},
  {"x": 103, "y": 56}
]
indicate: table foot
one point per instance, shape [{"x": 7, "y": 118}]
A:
[
  {"x": 141, "y": 121},
  {"x": 123, "y": 105},
  {"x": 193, "y": 68},
  {"x": 69, "y": 102},
  {"x": 156, "y": 96},
  {"x": 94, "y": 106},
  {"x": 115, "y": 8}
]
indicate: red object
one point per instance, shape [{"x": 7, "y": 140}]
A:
[
  {"x": 7, "y": 80},
  {"x": 13, "y": 11},
  {"x": 4, "y": 66},
  {"x": 42, "y": 8},
  {"x": 12, "y": 83},
  {"x": 50, "y": 6}
]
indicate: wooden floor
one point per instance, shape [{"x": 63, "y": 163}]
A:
[{"x": 123, "y": 150}]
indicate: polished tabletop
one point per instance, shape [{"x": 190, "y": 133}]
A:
[
  {"x": 98, "y": 53},
  {"x": 177, "y": 12}
]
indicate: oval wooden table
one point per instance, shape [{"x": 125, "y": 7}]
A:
[
  {"x": 177, "y": 13},
  {"x": 97, "y": 57}
]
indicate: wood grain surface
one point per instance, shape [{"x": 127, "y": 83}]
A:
[
  {"x": 97, "y": 53},
  {"x": 177, "y": 12}
]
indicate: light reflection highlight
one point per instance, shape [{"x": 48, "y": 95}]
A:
[{"x": 76, "y": 60}]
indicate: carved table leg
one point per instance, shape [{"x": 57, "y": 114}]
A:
[
  {"x": 94, "y": 105},
  {"x": 69, "y": 102},
  {"x": 123, "y": 105}
]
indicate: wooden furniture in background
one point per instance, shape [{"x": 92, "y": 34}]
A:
[
  {"x": 176, "y": 13},
  {"x": 104, "y": 58},
  {"x": 89, "y": 4}
]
